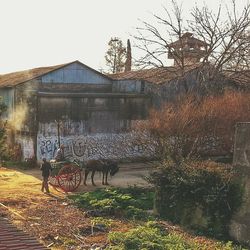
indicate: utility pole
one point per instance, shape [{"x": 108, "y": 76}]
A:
[
  {"x": 115, "y": 40},
  {"x": 58, "y": 122}
]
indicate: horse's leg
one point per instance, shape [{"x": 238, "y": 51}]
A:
[
  {"x": 86, "y": 172},
  {"x": 92, "y": 177}
]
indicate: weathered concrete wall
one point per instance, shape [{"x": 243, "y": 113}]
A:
[
  {"x": 7, "y": 96},
  {"x": 91, "y": 127},
  {"x": 240, "y": 225},
  {"x": 106, "y": 146},
  {"x": 25, "y": 109},
  {"x": 27, "y": 146},
  {"x": 84, "y": 115}
]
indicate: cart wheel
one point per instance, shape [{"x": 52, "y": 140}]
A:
[
  {"x": 53, "y": 181},
  {"x": 69, "y": 177}
]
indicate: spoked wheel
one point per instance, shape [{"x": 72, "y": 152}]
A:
[
  {"x": 53, "y": 181},
  {"x": 69, "y": 177}
]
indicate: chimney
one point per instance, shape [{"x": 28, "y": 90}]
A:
[{"x": 128, "y": 62}]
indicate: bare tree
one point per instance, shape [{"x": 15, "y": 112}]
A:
[
  {"x": 223, "y": 33},
  {"x": 115, "y": 56},
  {"x": 226, "y": 38},
  {"x": 155, "y": 43},
  {"x": 241, "y": 59}
]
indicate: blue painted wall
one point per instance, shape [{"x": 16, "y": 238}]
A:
[{"x": 76, "y": 73}]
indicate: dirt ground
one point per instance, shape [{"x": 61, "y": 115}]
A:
[{"x": 51, "y": 218}]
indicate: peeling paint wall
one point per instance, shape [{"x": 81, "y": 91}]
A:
[{"x": 27, "y": 146}]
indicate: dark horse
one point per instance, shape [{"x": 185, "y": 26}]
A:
[{"x": 104, "y": 166}]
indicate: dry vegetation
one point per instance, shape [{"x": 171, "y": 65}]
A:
[
  {"x": 194, "y": 123},
  {"x": 55, "y": 221}
]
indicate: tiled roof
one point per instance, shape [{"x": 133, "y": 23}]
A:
[
  {"x": 154, "y": 75},
  {"x": 13, "y": 239},
  {"x": 188, "y": 38},
  {"x": 15, "y": 78},
  {"x": 241, "y": 78},
  {"x": 163, "y": 75}
]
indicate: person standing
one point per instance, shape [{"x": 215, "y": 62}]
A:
[
  {"x": 59, "y": 156},
  {"x": 46, "y": 171}
]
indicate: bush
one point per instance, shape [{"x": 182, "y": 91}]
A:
[
  {"x": 152, "y": 236},
  {"x": 200, "y": 196},
  {"x": 27, "y": 164},
  {"x": 129, "y": 202}
]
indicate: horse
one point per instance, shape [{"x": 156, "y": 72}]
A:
[{"x": 104, "y": 166}]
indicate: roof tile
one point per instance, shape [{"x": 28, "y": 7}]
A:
[
  {"x": 14, "y": 239},
  {"x": 158, "y": 75}
]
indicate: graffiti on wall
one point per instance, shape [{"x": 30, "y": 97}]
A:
[
  {"x": 66, "y": 128},
  {"x": 105, "y": 146}
]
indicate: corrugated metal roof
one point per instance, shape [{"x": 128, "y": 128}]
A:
[
  {"x": 13, "y": 239},
  {"x": 15, "y": 78}
]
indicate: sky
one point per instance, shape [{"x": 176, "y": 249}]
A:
[{"x": 37, "y": 33}]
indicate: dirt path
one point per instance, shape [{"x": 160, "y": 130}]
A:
[{"x": 50, "y": 217}]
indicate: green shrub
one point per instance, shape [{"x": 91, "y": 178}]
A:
[
  {"x": 100, "y": 220},
  {"x": 201, "y": 196},
  {"x": 152, "y": 236},
  {"x": 129, "y": 202}
]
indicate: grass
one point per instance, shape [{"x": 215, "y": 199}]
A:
[{"x": 146, "y": 233}]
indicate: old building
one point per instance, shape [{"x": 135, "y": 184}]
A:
[
  {"x": 93, "y": 114},
  {"x": 188, "y": 75},
  {"x": 90, "y": 113}
]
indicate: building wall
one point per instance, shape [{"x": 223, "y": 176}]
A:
[
  {"x": 25, "y": 108},
  {"x": 94, "y": 114},
  {"x": 76, "y": 73},
  {"x": 128, "y": 86},
  {"x": 7, "y": 95},
  {"x": 127, "y": 145},
  {"x": 102, "y": 124}
]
